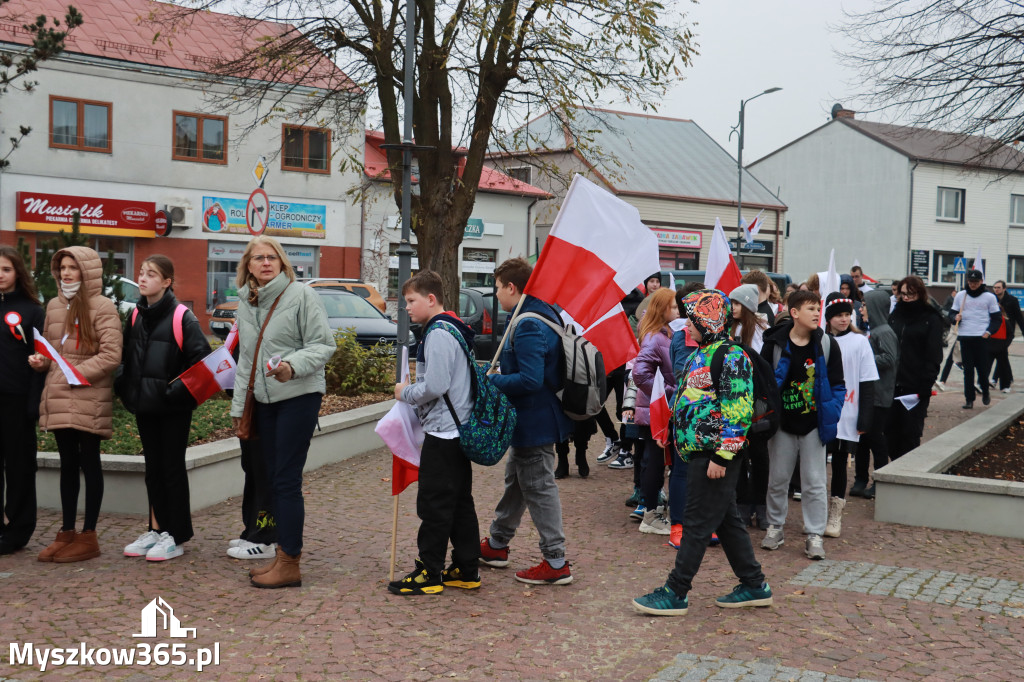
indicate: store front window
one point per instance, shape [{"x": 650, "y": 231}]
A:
[
  {"x": 478, "y": 267},
  {"x": 678, "y": 259}
]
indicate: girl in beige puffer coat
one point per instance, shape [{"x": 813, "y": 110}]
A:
[{"x": 84, "y": 327}]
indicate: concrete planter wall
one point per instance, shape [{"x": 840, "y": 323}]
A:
[
  {"x": 913, "y": 490},
  {"x": 214, "y": 472}
]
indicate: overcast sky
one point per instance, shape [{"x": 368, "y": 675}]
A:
[{"x": 748, "y": 46}]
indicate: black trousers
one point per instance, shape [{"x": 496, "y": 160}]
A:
[
  {"x": 17, "y": 470},
  {"x": 79, "y": 451},
  {"x": 872, "y": 441},
  {"x": 164, "y": 441},
  {"x": 711, "y": 507},
  {"x": 1002, "y": 372},
  {"x": 904, "y": 427},
  {"x": 444, "y": 503},
  {"x": 976, "y": 357},
  {"x": 256, "y": 496},
  {"x": 752, "y": 484}
]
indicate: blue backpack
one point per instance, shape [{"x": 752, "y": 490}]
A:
[{"x": 487, "y": 434}]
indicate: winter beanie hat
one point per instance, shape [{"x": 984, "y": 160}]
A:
[
  {"x": 836, "y": 303},
  {"x": 710, "y": 312},
  {"x": 746, "y": 295}
]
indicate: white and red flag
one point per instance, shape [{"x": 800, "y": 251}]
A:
[
  {"x": 721, "y": 273},
  {"x": 659, "y": 409},
  {"x": 598, "y": 250},
  {"x": 232, "y": 338},
  {"x": 611, "y": 334},
  {"x": 753, "y": 228},
  {"x": 979, "y": 263},
  {"x": 212, "y": 374},
  {"x": 71, "y": 372},
  {"x": 401, "y": 431}
]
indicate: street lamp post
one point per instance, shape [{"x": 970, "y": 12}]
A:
[{"x": 738, "y": 129}]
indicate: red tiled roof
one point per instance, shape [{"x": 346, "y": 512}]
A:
[
  {"x": 491, "y": 180},
  {"x": 127, "y": 30}
]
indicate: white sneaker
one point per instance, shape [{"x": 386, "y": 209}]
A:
[
  {"x": 142, "y": 544},
  {"x": 236, "y": 542},
  {"x": 1007, "y": 390},
  {"x": 773, "y": 538},
  {"x": 164, "y": 549},
  {"x": 239, "y": 543},
  {"x": 814, "y": 548},
  {"x": 940, "y": 385},
  {"x": 656, "y": 523},
  {"x": 254, "y": 550}
]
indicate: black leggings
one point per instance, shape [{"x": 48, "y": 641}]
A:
[
  {"x": 79, "y": 451},
  {"x": 840, "y": 450}
]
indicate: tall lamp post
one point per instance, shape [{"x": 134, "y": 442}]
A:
[{"x": 738, "y": 129}]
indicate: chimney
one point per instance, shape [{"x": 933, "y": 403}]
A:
[{"x": 839, "y": 111}]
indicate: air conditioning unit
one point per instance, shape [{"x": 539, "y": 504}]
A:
[{"x": 182, "y": 216}]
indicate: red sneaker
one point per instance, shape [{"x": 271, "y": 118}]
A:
[
  {"x": 543, "y": 574},
  {"x": 497, "y": 558},
  {"x": 676, "y": 536}
]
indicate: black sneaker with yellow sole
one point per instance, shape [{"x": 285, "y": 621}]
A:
[
  {"x": 417, "y": 582},
  {"x": 455, "y": 576}
]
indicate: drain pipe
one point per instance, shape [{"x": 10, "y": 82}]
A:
[
  {"x": 910, "y": 218},
  {"x": 528, "y": 210}
]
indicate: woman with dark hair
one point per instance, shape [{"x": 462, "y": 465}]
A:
[
  {"x": 19, "y": 401},
  {"x": 918, "y": 327},
  {"x": 160, "y": 342}
]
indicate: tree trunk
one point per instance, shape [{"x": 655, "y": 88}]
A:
[{"x": 438, "y": 243}]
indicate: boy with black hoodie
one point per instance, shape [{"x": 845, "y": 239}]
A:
[
  {"x": 809, "y": 372},
  {"x": 444, "y": 498}
]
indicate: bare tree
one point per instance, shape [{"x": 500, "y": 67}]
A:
[
  {"x": 477, "y": 62},
  {"x": 45, "y": 42},
  {"x": 953, "y": 65}
]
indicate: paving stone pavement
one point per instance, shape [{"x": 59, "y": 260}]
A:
[
  {"x": 343, "y": 625},
  {"x": 688, "y": 667}
]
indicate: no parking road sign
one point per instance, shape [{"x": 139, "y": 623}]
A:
[{"x": 257, "y": 211}]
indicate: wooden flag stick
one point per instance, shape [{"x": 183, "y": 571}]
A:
[
  {"x": 497, "y": 352},
  {"x": 394, "y": 539}
]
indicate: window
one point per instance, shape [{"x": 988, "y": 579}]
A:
[
  {"x": 200, "y": 138},
  {"x": 950, "y": 205},
  {"x": 1017, "y": 210},
  {"x": 80, "y": 124},
  {"x": 1015, "y": 269},
  {"x": 478, "y": 267},
  {"x": 672, "y": 259},
  {"x": 942, "y": 266},
  {"x": 520, "y": 173},
  {"x": 306, "y": 149},
  {"x": 394, "y": 287}
]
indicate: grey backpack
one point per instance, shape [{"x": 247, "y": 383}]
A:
[{"x": 584, "y": 381}]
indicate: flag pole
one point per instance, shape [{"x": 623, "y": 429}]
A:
[
  {"x": 497, "y": 351},
  {"x": 394, "y": 539}
]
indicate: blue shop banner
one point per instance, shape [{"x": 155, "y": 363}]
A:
[{"x": 287, "y": 219}]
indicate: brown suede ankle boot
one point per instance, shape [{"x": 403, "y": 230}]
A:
[
  {"x": 285, "y": 573},
  {"x": 64, "y": 538},
  {"x": 86, "y": 546},
  {"x": 265, "y": 568}
]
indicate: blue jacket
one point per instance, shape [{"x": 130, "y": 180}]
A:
[
  {"x": 829, "y": 385},
  {"x": 531, "y": 373}
]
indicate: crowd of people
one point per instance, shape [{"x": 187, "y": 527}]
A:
[{"x": 765, "y": 388}]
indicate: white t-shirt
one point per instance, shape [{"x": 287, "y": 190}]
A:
[
  {"x": 858, "y": 366},
  {"x": 975, "y": 312},
  {"x": 757, "y": 341}
]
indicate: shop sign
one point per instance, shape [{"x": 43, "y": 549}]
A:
[
  {"x": 755, "y": 248},
  {"x": 286, "y": 219},
  {"x": 678, "y": 238},
  {"x": 233, "y": 252},
  {"x": 919, "y": 263},
  {"x": 101, "y": 216},
  {"x": 474, "y": 229}
]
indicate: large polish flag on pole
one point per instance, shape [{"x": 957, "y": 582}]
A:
[
  {"x": 71, "y": 373},
  {"x": 598, "y": 250},
  {"x": 401, "y": 431},
  {"x": 659, "y": 408},
  {"x": 611, "y": 334},
  {"x": 722, "y": 273}
]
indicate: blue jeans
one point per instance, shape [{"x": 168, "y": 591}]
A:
[{"x": 284, "y": 431}]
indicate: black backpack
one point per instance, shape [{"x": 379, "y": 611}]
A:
[{"x": 767, "y": 400}]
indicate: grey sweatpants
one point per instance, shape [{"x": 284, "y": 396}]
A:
[
  {"x": 784, "y": 451},
  {"x": 530, "y": 484}
]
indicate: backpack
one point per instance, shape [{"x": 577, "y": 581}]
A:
[
  {"x": 584, "y": 381},
  {"x": 487, "y": 434},
  {"x": 767, "y": 400},
  {"x": 179, "y": 314}
]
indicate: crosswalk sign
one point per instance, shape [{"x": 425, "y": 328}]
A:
[{"x": 960, "y": 266}]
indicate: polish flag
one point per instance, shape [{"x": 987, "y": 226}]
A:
[
  {"x": 979, "y": 264},
  {"x": 401, "y": 431},
  {"x": 232, "y": 338},
  {"x": 71, "y": 372},
  {"x": 214, "y": 373},
  {"x": 828, "y": 282},
  {"x": 750, "y": 230},
  {"x": 721, "y": 273},
  {"x": 659, "y": 408},
  {"x": 598, "y": 250},
  {"x": 611, "y": 334}
]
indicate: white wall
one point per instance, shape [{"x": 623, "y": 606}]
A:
[{"x": 844, "y": 191}]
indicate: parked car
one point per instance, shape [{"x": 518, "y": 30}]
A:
[
  {"x": 477, "y": 308},
  {"x": 130, "y": 292},
  {"x": 356, "y": 286},
  {"x": 684, "y": 276}
]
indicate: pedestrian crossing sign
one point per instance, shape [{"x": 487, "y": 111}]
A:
[{"x": 960, "y": 266}]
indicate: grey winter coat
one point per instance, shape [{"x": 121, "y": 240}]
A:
[{"x": 884, "y": 344}]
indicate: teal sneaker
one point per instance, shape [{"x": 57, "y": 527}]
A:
[
  {"x": 662, "y": 602},
  {"x": 742, "y": 595}
]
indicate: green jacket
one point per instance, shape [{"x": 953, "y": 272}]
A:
[{"x": 298, "y": 331}]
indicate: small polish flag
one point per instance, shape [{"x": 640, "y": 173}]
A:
[
  {"x": 979, "y": 263},
  {"x": 71, "y": 372},
  {"x": 721, "y": 273},
  {"x": 401, "y": 431},
  {"x": 232, "y": 338},
  {"x": 659, "y": 408},
  {"x": 750, "y": 230},
  {"x": 214, "y": 373}
]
